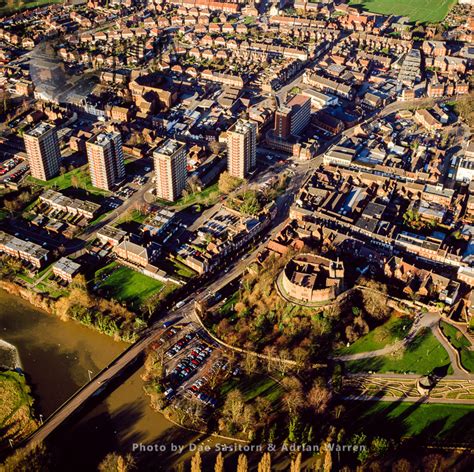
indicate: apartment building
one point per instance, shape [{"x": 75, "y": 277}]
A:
[
  {"x": 170, "y": 169},
  {"x": 241, "y": 148},
  {"x": 42, "y": 149},
  {"x": 66, "y": 269},
  {"x": 106, "y": 162}
]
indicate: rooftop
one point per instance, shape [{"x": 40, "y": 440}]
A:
[
  {"x": 169, "y": 147},
  {"x": 39, "y": 129}
]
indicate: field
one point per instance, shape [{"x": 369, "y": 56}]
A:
[
  {"x": 9, "y": 7},
  {"x": 461, "y": 343},
  {"x": 80, "y": 177},
  {"x": 15, "y": 406},
  {"x": 127, "y": 285},
  {"x": 424, "y": 355},
  {"x": 425, "y": 11},
  {"x": 393, "y": 330},
  {"x": 430, "y": 422}
]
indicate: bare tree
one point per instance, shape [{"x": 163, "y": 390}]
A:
[
  {"x": 196, "y": 462},
  {"x": 219, "y": 465}
]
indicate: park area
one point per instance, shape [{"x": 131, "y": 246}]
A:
[
  {"x": 126, "y": 285},
  {"x": 461, "y": 343},
  {"x": 432, "y": 423},
  {"x": 395, "y": 329},
  {"x": 422, "y": 356},
  {"x": 424, "y": 11},
  {"x": 78, "y": 178}
]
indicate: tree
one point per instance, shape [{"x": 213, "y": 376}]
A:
[
  {"x": 196, "y": 462},
  {"x": 432, "y": 462},
  {"x": 293, "y": 398},
  {"x": 402, "y": 465},
  {"x": 234, "y": 406},
  {"x": 375, "y": 299},
  {"x": 242, "y": 463},
  {"x": 114, "y": 462},
  {"x": 301, "y": 357},
  {"x": 263, "y": 408},
  {"x": 250, "y": 364},
  {"x": 379, "y": 446},
  {"x": 228, "y": 183},
  {"x": 465, "y": 109},
  {"x": 318, "y": 398},
  {"x": 219, "y": 465},
  {"x": 216, "y": 147},
  {"x": 327, "y": 459},
  {"x": 296, "y": 463},
  {"x": 248, "y": 418},
  {"x": 265, "y": 464},
  {"x": 75, "y": 181},
  {"x": 294, "y": 429},
  {"x": 36, "y": 459},
  {"x": 194, "y": 184}
]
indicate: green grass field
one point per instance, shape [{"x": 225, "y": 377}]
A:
[
  {"x": 65, "y": 181},
  {"x": 429, "y": 422},
  {"x": 461, "y": 343},
  {"x": 253, "y": 387},
  {"x": 207, "y": 197},
  {"x": 426, "y": 11},
  {"x": 7, "y": 8},
  {"x": 395, "y": 329},
  {"x": 124, "y": 284},
  {"x": 422, "y": 356}
]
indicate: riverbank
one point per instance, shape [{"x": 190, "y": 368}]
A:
[
  {"x": 105, "y": 316},
  {"x": 58, "y": 358},
  {"x": 17, "y": 419}
]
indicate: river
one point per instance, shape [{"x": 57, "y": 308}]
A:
[{"x": 57, "y": 358}]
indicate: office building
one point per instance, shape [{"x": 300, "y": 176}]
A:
[
  {"x": 170, "y": 169},
  {"x": 300, "y": 107},
  {"x": 42, "y": 149},
  {"x": 105, "y": 156},
  {"x": 291, "y": 119},
  {"x": 241, "y": 148}
]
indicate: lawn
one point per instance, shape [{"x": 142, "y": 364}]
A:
[
  {"x": 100, "y": 218},
  {"x": 424, "y": 355},
  {"x": 428, "y": 422},
  {"x": 253, "y": 387},
  {"x": 7, "y": 8},
  {"x": 393, "y": 330},
  {"x": 461, "y": 343},
  {"x": 181, "y": 269},
  {"x": 426, "y": 11},
  {"x": 227, "y": 308},
  {"x": 133, "y": 215},
  {"x": 127, "y": 285},
  {"x": 207, "y": 197},
  {"x": 65, "y": 181}
]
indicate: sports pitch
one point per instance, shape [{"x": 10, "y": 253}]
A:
[{"x": 425, "y": 11}]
